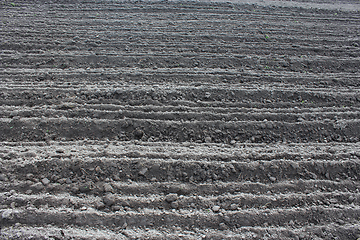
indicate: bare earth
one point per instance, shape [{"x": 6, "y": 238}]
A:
[{"x": 179, "y": 120}]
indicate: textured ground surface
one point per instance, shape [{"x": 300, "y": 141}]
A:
[{"x": 179, "y": 120}]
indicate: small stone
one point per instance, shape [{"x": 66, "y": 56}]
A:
[
  {"x": 109, "y": 199},
  {"x": 233, "y": 206},
  {"x": 340, "y": 221},
  {"x": 54, "y": 178},
  {"x": 37, "y": 186},
  {"x": 99, "y": 205},
  {"x": 116, "y": 208},
  {"x": 83, "y": 208},
  {"x": 295, "y": 165},
  {"x": 223, "y": 226},
  {"x": 273, "y": 179},
  {"x": 6, "y": 214},
  {"x": 313, "y": 175},
  {"x": 124, "y": 226},
  {"x": 59, "y": 150},
  {"x": 208, "y": 139},
  {"x": 3, "y": 177},
  {"x": 171, "y": 197},
  {"x": 29, "y": 176},
  {"x": 333, "y": 200},
  {"x": 331, "y": 150},
  {"x": 174, "y": 205},
  {"x": 351, "y": 198},
  {"x": 68, "y": 181},
  {"x": 125, "y": 203},
  {"x": 108, "y": 187},
  {"x": 216, "y": 208},
  {"x": 45, "y": 181},
  {"x": 143, "y": 171},
  {"x": 232, "y": 142},
  {"x": 61, "y": 180},
  {"x": 227, "y": 219},
  {"x": 138, "y": 134}
]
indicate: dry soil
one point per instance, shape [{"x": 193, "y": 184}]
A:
[{"x": 179, "y": 120}]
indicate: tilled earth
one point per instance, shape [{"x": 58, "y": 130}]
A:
[{"x": 179, "y": 120}]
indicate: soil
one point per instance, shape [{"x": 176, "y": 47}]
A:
[{"x": 179, "y": 119}]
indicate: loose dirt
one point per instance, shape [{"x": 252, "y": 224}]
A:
[{"x": 179, "y": 120}]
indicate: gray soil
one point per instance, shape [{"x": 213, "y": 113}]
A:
[{"x": 179, "y": 120}]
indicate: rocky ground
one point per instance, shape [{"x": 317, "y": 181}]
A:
[{"x": 179, "y": 120}]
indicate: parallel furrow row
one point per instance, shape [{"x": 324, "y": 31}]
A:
[{"x": 179, "y": 120}]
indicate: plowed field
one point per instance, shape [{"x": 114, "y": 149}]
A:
[{"x": 179, "y": 120}]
